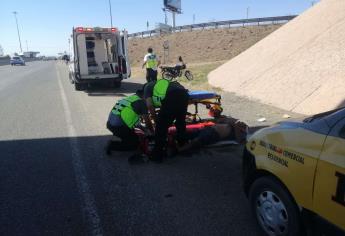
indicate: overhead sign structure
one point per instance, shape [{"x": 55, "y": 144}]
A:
[{"x": 173, "y": 5}]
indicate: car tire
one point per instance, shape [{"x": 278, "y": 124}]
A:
[
  {"x": 79, "y": 87},
  {"x": 117, "y": 84},
  {"x": 274, "y": 209}
]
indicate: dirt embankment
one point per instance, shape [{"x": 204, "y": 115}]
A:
[{"x": 200, "y": 45}]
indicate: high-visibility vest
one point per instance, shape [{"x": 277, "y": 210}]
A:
[
  {"x": 123, "y": 108},
  {"x": 151, "y": 61},
  {"x": 159, "y": 92}
]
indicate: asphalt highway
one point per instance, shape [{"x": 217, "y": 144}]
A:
[{"x": 55, "y": 178}]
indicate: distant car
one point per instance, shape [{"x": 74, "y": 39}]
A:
[
  {"x": 294, "y": 176},
  {"x": 17, "y": 61}
]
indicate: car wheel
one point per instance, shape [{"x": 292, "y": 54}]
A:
[
  {"x": 117, "y": 84},
  {"x": 79, "y": 87},
  {"x": 275, "y": 211}
]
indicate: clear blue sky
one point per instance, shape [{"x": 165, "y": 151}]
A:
[{"x": 47, "y": 24}]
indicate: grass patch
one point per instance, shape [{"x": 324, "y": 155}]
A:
[{"x": 199, "y": 70}]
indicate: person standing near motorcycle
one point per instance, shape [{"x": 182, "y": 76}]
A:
[
  {"x": 151, "y": 62},
  {"x": 172, "y": 99}
]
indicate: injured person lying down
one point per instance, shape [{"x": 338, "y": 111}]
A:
[{"x": 224, "y": 129}]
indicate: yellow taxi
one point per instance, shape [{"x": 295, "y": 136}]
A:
[{"x": 294, "y": 176}]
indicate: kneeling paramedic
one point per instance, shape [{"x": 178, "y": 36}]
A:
[
  {"x": 172, "y": 99},
  {"x": 124, "y": 116}
]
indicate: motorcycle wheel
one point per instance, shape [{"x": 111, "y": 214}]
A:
[
  {"x": 188, "y": 75},
  {"x": 166, "y": 75}
]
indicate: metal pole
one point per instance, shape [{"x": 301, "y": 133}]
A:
[
  {"x": 20, "y": 42},
  {"x": 69, "y": 48},
  {"x": 165, "y": 15},
  {"x": 173, "y": 15},
  {"x": 247, "y": 13},
  {"x": 111, "y": 15},
  {"x": 193, "y": 19}
]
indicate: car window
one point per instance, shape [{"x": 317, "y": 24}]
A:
[
  {"x": 320, "y": 115},
  {"x": 342, "y": 132},
  {"x": 339, "y": 129},
  {"x": 16, "y": 58}
]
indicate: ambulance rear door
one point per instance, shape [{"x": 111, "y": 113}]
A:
[{"x": 124, "y": 58}]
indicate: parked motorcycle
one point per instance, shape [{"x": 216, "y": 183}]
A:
[{"x": 173, "y": 72}]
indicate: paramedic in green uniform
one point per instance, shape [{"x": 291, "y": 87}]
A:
[
  {"x": 124, "y": 116},
  {"x": 172, "y": 99},
  {"x": 151, "y": 62}
]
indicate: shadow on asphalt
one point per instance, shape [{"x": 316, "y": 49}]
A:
[
  {"x": 103, "y": 90},
  {"x": 202, "y": 192}
]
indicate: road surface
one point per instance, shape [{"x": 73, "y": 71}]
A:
[{"x": 56, "y": 180}]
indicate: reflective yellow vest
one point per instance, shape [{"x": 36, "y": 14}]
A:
[
  {"x": 151, "y": 61},
  {"x": 123, "y": 108},
  {"x": 159, "y": 92}
]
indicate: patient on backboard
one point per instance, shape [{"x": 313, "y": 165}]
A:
[{"x": 225, "y": 129}]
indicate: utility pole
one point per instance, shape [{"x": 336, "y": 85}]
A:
[
  {"x": 111, "y": 14},
  {"x": 193, "y": 19},
  {"x": 20, "y": 42},
  {"x": 27, "y": 48},
  {"x": 69, "y": 47},
  {"x": 173, "y": 16},
  {"x": 165, "y": 16},
  {"x": 247, "y": 13}
]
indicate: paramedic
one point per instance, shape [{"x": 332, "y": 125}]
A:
[
  {"x": 124, "y": 116},
  {"x": 151, "y": 62},
  {"x": 172, "y": 99}
]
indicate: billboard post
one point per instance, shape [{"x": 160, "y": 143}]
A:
[{"x": 174, "y": 6}]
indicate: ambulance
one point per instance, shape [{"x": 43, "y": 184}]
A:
[
  {"x": 99, "y": 55},
  {"x": 294, "y": 176}
]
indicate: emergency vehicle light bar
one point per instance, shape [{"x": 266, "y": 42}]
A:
[{"x": 95, "y": 29}]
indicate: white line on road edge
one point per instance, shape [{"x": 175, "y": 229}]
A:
[{"x": 89, "y": 207}]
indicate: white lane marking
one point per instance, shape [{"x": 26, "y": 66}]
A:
[{"x": 89, "y": 207}]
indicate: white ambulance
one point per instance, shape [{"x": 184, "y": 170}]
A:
[{"x": 99, "y": 55}]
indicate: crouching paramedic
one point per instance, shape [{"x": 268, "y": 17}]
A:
[
  {"x": 172, "y": 99},
  {"x": 124, "y": 116}
]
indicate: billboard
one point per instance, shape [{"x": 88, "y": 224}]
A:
[{"x": 174, "y": 5}]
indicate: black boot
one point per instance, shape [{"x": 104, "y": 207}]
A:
[{"x": 158, "y": 154}]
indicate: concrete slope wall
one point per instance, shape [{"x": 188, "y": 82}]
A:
[{"x": 300, "y": 67}]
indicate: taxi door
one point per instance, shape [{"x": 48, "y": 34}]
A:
[{"x": 329, "y": 189}]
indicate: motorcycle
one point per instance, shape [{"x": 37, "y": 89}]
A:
[{"x": 173, "y": 72}]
